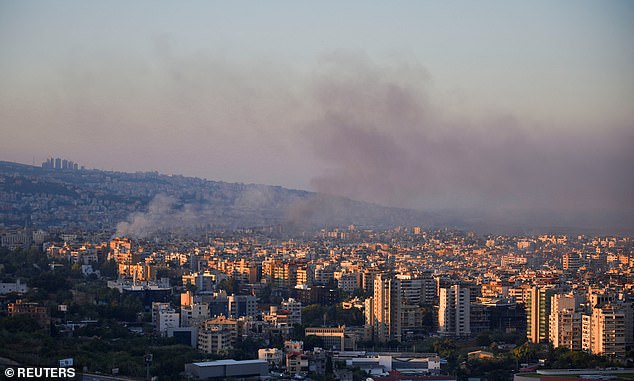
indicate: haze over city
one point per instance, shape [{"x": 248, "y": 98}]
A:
[{"x": 501, "y": 111}]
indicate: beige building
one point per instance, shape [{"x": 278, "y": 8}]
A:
[
  {"x": 564, "y": 322},
  {"x": 297, "y": 364},
  {"x": 215, "y": 340},
  {"x": 603, "y": 332},
  {"x": 217, "y": 335},
  {"x": 386, "y": 308},
  {"x": 273, "y": 356},
  {"x": 334, "y": 338}
]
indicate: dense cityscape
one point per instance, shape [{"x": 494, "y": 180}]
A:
[
  {"x": 317, "y": 191},
  {"x": 345, "y": 303}
]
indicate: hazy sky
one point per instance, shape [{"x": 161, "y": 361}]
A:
[{"x": 521, "y": 108}]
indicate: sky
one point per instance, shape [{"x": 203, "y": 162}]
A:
[{"x": 511, "y": 110}]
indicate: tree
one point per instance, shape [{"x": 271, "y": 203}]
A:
[
  {"x": 231, "y": 285},
  {"x": 108, "y": 269},
  {"x": 445, "y": 347},
  {"x": 312, "y": 341},
  {"x": 526, "y": 351},
  {"x": 483, "y": 339}
]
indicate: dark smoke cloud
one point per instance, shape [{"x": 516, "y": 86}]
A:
[
  {"x": 353, "y": 128},
  {"x": 384, "y": 141}
]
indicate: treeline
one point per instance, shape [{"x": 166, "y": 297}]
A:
[{"x": 102, "y": 347}]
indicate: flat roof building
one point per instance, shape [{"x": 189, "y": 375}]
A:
[{"x": 222, "y": 369}]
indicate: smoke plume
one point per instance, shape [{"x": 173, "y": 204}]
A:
[{"x": 383, "y": 141}]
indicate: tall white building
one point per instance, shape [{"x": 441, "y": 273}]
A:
[
  {"x": 167, "y": 318},
  {"x": 454, "y": 311}
]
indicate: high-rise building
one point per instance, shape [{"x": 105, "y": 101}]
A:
[
  {"x": 454, "y": 311},
  {"x": 429, "y": 294},
  {"x": 395, "y": 312},
  {"x": 411, "y": 300},
  {"x": 367, "y": 279},
  {"x": 564, "y": 322},
  {"x": 537, "y": 313},
  {"x": 386, "y": 308},
  {"x": 604, "y": 331}
]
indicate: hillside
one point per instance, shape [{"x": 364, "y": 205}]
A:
[{"x": 142, "y": 204}]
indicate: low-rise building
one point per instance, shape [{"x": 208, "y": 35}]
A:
[
  {"x": 273, "y": 356},
  {"x": 37, "y": 312},
  {"x": 225, "y": 369},
  {"x": 297, "y": 364}
]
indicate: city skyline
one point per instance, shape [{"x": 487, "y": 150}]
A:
[{"x": 505, "y": 111}]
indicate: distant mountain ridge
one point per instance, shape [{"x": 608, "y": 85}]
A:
[{"x": 145, "y": 203}]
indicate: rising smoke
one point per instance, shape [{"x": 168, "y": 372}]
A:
[
  {"x": 384, "y": 141},
  {"x": 351, "y": 128},
  {"x": 228, "y": 206}
]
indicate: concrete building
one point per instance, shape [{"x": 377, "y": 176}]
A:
[
  {"x": 348, "y": 281},
  {"x": 194, "y": 314},
  {"x": 386, "y": 308},
  {"x": 185, "y": 335},
  {"x": 225, "y": 369},
  {"x": 411, "y": 301},
  {"x": 454, "y": 311},
  {"x": 167, "y": 318},
  {"x": 367, "y": 279},
  {"x": 202, "y": 281},
  {"x": 306, "y": 275},
  {"x": 537, "y": 313},
  {"x": 156, "y": 308},
  {"x": 215, "y": 340},
  {"x": 242, "y": 305},
  {"x": 294, "y": 308},
  {"x": 293, "y": 346},
  {"x": 571, "y": 261},
  {"x": 603, "y": 332},
  {"x": 217, "y": 335},
  {"x": 297, "y": 364},
  {"x": 334, "y": 338},
  {"x": 273, "y": 356},
  {"x": 17, "y": 287},
  {"x": 37, "y": 312},
  {"x": 564, "y": 322}
]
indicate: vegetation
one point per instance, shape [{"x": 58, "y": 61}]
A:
[
  {"x": 316, "y": 314},
  {"x": 98, "y": 348}
]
